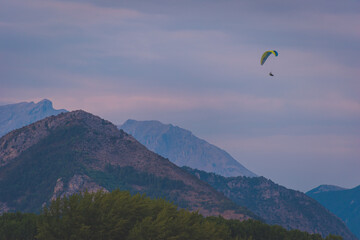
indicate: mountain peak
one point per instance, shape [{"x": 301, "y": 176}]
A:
[
  {"x": 13, "y": 116},
  {"x": 325, "y": 188},
  {"x": 183, "y": 148},
  {"x": 78, "y": 149},
  {"x": 45, "y": 101},
  {"x": 344, "y": 203}
]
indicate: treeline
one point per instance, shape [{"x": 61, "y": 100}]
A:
[{"x": 120, "y": 215}]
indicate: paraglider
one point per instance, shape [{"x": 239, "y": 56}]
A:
[{"x": 265, "y": 56}]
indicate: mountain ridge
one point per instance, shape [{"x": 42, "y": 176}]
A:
[
  {"x": 183, "y": 148},
  {"x": 344, "y": 203},
  {"x": 276, "y": 204},
  {"x": 325, "y": 188},
  {"x": 71, "y": 151},
  {"x": 14, "y": 116}
]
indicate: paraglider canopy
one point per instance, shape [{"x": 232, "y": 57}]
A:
[{"x": 266, "y": 55}]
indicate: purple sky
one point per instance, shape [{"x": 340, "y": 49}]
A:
[{"x": 195, "y": 64}]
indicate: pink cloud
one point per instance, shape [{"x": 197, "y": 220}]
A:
[
  {"x": 327, "y": 144},
  {"x": 51, "y": 17},
  {"x": 73, "y": 12},
  {"x": 330, "y": 104},
  {"x": 170, "y": 102},
  {"x": 334, "y": 23}
]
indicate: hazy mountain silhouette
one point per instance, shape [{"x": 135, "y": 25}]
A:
[
  {"x": 183, "y": 148},
  {"x": 325, "y": 188},
  {"x": 13, "y": 116},
  {"x": 344, "y": 203}
]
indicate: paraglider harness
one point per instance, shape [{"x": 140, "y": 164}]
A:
[{"x": 266, "y": 55}]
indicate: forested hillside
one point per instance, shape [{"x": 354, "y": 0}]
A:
[
  {"x": 120, "y": 215},
  {"x": 276, "y": 204}
]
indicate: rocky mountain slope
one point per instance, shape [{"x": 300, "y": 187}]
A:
[
  {"x": 75, "y": 151},
  {"x": 344, "y": 203},
  {"x": 276, "y": 204},
  {"x": 183, "y": 148},
  {"x": 13, "y": 116}
]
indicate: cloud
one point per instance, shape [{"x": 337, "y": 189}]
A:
[
  {"x": 64, "y": 12},
  {"x": 328, "y": 145},
  {"x": 330, "y": 105},
  {"x": 140, "y": 100},
  {"x": 338, "y": 24}
]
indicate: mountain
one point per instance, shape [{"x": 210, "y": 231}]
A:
[
  {"x": 324, "y": 188},
  {"x": 17, "y": 115},
  {"x": 183, "y": 148},
  {"x": 276, "y": 204},
  {"x": 344, "y": 203},
  {"x": 74, "y": 151}
]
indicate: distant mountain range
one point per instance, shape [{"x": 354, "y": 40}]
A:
[
  {"x": 71, "y": 152},
  {"x": 13, "y": 116},
  {"x": 74, "y": 151},
  {"x": 344, "y": 203},
  {"x": 325, "y": 188},
  {"x": 183, "y": 148},
  {"x": 177, "y": 144},
  {"x": 276, "y": 204}
]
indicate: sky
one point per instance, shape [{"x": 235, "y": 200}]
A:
[{"x": 196, "y": 64}]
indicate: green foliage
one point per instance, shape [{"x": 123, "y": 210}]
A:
[
  {"x": 120, "y": 215},
  {"x": 333, "y": 237},
  {"x": 256, "y": 230},
  {"x": 18, "y": 226}
]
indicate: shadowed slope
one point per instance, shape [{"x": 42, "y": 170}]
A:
[
  {"x": 277, "y": 204},
  {"x": 344, "y": 203},
  {"x": 72, "y": 151}
]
